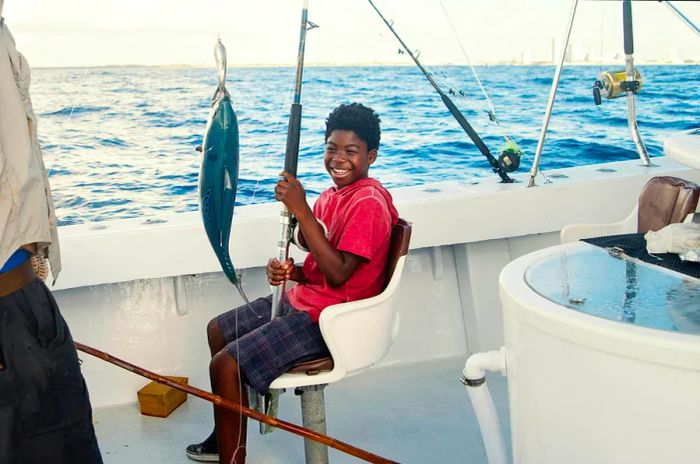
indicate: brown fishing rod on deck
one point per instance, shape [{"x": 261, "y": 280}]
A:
[{"x": 253, "y": 414}]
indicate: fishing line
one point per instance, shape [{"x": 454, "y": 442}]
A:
[
  {"x": 492, "y": 109},
  {"x": 510, "y": 156},
  {"x": 275, "y": 132},
  {"x": 469, "y": 61},
  {"x": 59, "y": 150},
  {"x": 70, "y": 117},
  {"x": 602, "y": 28},
  {"x": 250, "y": 393}
]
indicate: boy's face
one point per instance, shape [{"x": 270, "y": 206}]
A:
[{"x": 347, "y": 159}]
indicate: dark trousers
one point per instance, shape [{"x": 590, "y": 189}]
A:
[{"x": 45, "y": 413}]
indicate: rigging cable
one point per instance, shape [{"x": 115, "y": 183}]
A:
[
  {"x": 683, "y": 17},
  {"x": 511, "y": 144},
  {"x": 469, "y": 61}
]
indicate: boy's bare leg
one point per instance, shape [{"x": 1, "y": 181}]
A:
[
  {"x": 214, "y": 337},
  {"x": 231, "y": 426}
]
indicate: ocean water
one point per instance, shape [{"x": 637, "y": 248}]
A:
[{"x": 120, "y": 142}]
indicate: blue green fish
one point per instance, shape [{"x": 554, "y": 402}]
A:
[{"x": 218, "y": 177}]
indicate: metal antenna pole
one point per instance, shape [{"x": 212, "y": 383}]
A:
[{"x": 552, "y": 95}]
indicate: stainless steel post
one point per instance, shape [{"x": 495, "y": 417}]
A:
[
  {"x": 552, "y": 95},
  {"x": 313, "y": 416},
  {"x": 630, "y": 78}
]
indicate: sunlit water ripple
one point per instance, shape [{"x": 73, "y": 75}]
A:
[{"x": 120, "y": 142}]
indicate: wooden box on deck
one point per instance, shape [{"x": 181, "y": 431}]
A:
[{"x": 156, "y": 399}]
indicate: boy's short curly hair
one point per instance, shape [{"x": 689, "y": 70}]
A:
[{"x": 358, "y": 118}]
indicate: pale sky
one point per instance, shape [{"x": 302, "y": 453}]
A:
[{"x": 171, "y": 32}]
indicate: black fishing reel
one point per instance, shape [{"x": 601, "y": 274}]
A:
[
  {"x": 614, "y": 84},
  {"x": 597, "y": 99},
  {"x": 509, "y": 160}
]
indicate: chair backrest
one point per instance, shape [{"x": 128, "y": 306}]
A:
[
  {"x": 666, "y": 200},
  {"x": 398, "y": 247},
  {"x": 363, "y": 332},
  {"x": 376, "y": 315}
]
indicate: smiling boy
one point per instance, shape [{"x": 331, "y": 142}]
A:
[{"x": 347, "y": 234}]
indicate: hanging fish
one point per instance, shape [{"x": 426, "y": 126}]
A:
[{"x": 218, "y": 177}]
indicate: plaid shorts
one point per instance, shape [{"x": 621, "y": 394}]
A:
[{"x": 266, "y": 349}]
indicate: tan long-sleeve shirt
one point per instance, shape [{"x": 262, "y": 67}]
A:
[{"x": 27, "y": 216}]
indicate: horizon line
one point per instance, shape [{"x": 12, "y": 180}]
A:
[{"x": 687, "y": 62}]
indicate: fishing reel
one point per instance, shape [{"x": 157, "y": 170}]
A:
[
  {"x": 509, "y": 160},
  {"x": 614, "y": 84}
]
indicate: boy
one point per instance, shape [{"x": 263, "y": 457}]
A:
[{"x": 345, "y": 263}]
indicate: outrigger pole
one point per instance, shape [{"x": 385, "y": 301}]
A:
[
  {"x": 292, "y": 155},
  {"x": 552, "y": 96},
  {"x": 227, "y": 404},
  {"x": 683, "y": 18},
  {"x": 461, "y": 119}
]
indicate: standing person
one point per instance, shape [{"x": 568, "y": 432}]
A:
[
  {"x": 45, "y": 413},
  {"x": 347, "y": 233}
]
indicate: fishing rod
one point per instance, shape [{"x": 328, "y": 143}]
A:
[
  {"x": 624, "y": 83},
  {"x": 291, "y": 156},
  {"x": 508, "y": 160},
  {"x": 632, "y": 85},
  {"x": 227, "y": 404}
]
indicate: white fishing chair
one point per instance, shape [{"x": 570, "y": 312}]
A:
[
  {"x": 664, "y": 200},
  {"x": 358, "y": 334}
]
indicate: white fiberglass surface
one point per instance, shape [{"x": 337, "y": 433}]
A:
[{"x": 591, "y": 281}]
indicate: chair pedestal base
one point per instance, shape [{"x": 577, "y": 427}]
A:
[{"x": 313, "y": 412}]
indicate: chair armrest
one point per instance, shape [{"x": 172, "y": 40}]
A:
[{"x": 574, "y": 232}]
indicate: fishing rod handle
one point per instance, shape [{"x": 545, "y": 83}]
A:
[
  {"x": 282, "y": 255},
  {"x": 291, "y": 157},
  {"x": 627, "y": 26}
]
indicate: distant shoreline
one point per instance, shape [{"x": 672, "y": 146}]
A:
[{"x": 359, "y": 65}]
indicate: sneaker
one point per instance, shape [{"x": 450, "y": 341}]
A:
[{"x": 207, "y": 451}]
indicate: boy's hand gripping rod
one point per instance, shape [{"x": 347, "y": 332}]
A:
[
  {"x": 291, "y": 157},
  {"x": 227, "y": 404}
]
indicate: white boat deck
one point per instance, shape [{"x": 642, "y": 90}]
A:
[{"x": 415, "y": 413}]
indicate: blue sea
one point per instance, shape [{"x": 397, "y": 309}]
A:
[{"x": 120, "y": 142}]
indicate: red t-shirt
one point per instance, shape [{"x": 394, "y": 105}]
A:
[{"x": 359, "y": 218}]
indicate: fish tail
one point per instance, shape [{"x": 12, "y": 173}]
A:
[
  {"x": 227, "y": 265},
  {"x": 239, "y": 287}
]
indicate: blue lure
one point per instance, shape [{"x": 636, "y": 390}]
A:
[{"x": 218, "y": 177}]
